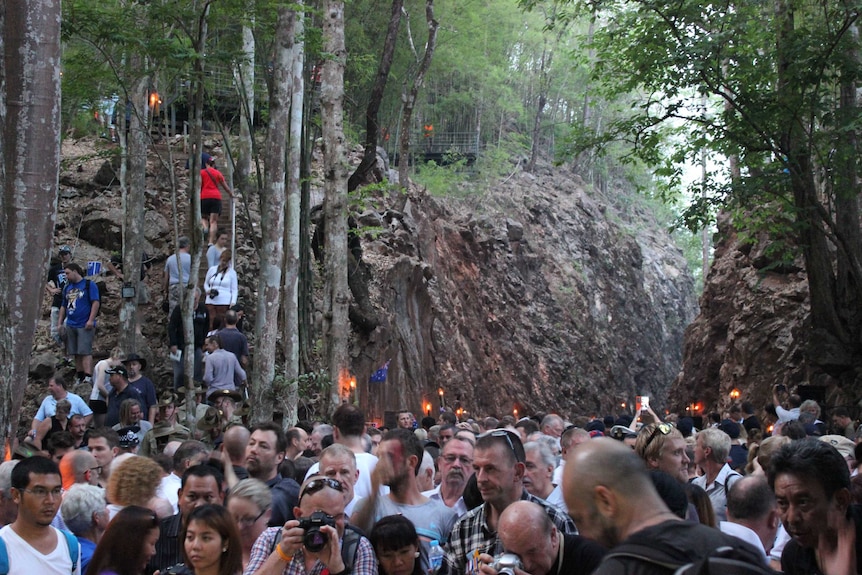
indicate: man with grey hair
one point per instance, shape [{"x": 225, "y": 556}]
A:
[
  {"x": 538, "y": 474},
  {"x": 316, "y": 438},
  {"x": 85, "y": 513},
  {"x": 710, "y": 454},
  {"x": 79, "y": 467},
  {"x": 553, "y": 425},
  {"x": 8, "y": 507}
]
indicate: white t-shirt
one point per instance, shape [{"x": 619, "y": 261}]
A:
[
  {"x": 25, "y": 560},
  {"x": 365, "y": 463}
]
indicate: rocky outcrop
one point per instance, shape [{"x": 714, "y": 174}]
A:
[
  {"x": 541, "y": 297},
  {"x": 752, "y": 331}
]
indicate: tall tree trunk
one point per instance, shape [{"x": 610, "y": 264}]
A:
[
  {"x": 29, "y": 174},
  {"x": 290, "y": 338},
  {"x": 133, "y": 216},
  {"x": 196, "y": 233},
  {"x": 372, "y": 125},
  {"x": 336, "y": 298},
  {"x": 272, "y": 219},
  {"x": 245, "y": 84},
  {"x": 408, "y": 97}
]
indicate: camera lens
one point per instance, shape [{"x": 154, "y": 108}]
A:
[{"x": 315, "y": 540}]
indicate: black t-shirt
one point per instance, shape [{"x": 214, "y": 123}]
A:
[
  {"x": 581, "y": 556},
  {"x": 57, "y": 275}
]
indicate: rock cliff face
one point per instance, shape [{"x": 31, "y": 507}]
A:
[
  {"x": 538, "y": 296},
  {"x": 545, "y": 298},
  {"x": 752, "y": 332}
]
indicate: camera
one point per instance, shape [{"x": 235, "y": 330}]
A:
[
  {"x": 178, "y": 569},
  {"x": 506, "y": 563},
  {"x": 314, "y": 539},
  {"x": 213, "y": 293},
  {"x": 780, "y": 388}
]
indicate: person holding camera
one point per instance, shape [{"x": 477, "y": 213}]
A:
[
  {"x": 319, "y": 538},
  {"x": 221, "y": 288},
  {"x": 534, "y": 545}
]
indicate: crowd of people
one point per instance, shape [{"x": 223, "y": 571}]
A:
[{"x": 537, "y": 496}]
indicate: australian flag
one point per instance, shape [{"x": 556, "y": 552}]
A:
[{"x": 379, "y": 376}]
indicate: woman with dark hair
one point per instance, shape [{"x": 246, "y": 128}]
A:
[
  {"x": 128, "y": 543},
  {"x": 397, "y": 546},
  {"x": 211, "y": 542},
  {"x": 51, "y": 425}
]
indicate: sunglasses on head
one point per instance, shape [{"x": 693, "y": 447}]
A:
[{"x": 319, "y": 483}]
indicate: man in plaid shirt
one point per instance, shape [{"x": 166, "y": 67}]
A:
[
  {"x": 288, "y": 555},
  {"x": 499, "y": 463}
]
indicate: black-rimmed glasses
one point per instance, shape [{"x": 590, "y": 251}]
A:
[{"x": 247, "y": 521}]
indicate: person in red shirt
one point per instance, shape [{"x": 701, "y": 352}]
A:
[{"x": 212, "y": 182}]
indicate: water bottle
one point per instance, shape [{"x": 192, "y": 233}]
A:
[{"x": 435, "y": 557}]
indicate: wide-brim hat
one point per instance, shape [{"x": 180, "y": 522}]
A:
[
  {"x": 210, "y": 420},
  {"x": 135, "y": 357},
  {"x": 231, "y": 393},
  {"x": 167, "y": 397},
  {"x": 196, "y": 389}
]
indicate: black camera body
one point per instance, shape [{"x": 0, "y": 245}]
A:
[
  {"x": 178, "y": 569},
  {"x": 213, "y": 293},
  {"x": 314, "y": 539}
]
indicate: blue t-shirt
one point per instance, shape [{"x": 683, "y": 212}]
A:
[{"x": 78, "y": 301}]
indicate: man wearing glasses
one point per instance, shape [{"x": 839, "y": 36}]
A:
[
  {"x": 285, "y": 550},
  {"x": 455, "y": 464},
  {"x": 499, "y": 466},
  {"x": 33, "y": 546}
]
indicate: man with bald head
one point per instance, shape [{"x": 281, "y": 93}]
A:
[
  {"x": 527, "y": 531},
  {"x": 79, "y": 467},
  {"x": 612, "y": 499}
]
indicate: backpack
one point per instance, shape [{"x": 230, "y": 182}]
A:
[
  {"x": 723, "y": 560},
  {"x": 71, "y": 541},
  {"x": 349, "y": 545}
]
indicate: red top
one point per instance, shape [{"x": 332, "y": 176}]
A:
[{"x": 209, "y": 189}]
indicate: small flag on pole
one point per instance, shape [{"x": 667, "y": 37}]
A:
[{"x": 379, "y": 376}]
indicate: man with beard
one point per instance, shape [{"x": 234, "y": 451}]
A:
[
  {"x": 400, "y": 456},
  {"x": 32, "y": 545},
  {"x": 263, "y": 455},
  {"x": 812, "y": 487},
  {"x": 455, "y": 464},
  {"x": 498, "y": 462},
  {"x": 613, "y": 501}
]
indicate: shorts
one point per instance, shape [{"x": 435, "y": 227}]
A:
[
  {"x": 99, "y": 406},
  {"x": 79, "y": 341},
  {"x": 210, "y": 206}
]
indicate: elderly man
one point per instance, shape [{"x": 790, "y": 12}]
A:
[
  {"x": 538, "y": 475},
  {"x": 288, "y": 555},
  {"x": 812, "y": 487},
  {"x": 455, "y": 464},
  {"x": 85, "y": 514},
  {"x": 8, "y": 507},
  {"x": 79, "y": 468},
  {"x": 498, "y": 462},
  {"x": 710, "y": 454},
  {"x": 528, "y": 532},
  {"x": 553, "y": 425},
  {"x": 613, "y": 501}
]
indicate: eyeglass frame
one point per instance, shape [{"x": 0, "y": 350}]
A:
[{"x": 248, "y": 522}]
